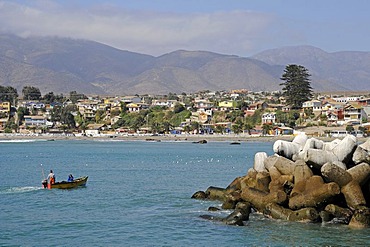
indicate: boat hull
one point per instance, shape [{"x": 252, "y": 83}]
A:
[{"x": 70, "y": 185}]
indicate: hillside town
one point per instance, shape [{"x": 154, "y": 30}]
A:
[{"x": 239, "y": 112}]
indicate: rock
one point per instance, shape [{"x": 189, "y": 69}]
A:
[
  {"x": 270, "y": 161},
  {"x": 295, "y": 190},
  {"x": 234, "y": 185},
  {"x": 361, "y": 155},
  {"x": 259, "y": 199},
  {"x": 286, "y": 149},
  {"x": 216, "y": 193},
  {"x": 263, "y": 180},
  {"x": 315, "y": 192},
  {"x": 240, "y": 214},
  {"x": 360, "y": 218},
  {"x": 249, "y": 180},
  {"x": 334, "y": 173},
  {"x": 285, "y": 166},
  {"x": 310, "y": 144},
  {"x": 342, "y": 215},
  {"x": 329, "y": 146},
  {"x": 300, "y": 140},
  {"x": 200, "y": 195},
  {"x": 304, "y": 215},
  {"x": 301, "y": 171},
  {"x": 278, "y": 212},
  {"x": 345, "y": 149},
  {"x": 259, "y": 159},
  {"x": 366, "y": 145},
  {"x": 213, "y": 209},
  {"x": 325, "y": 216},
  {"x": 317, "y": 158},
  {"x": 360, "y": 173},
  {"x": 274, "y": 173},
  {"x": 353, "y": 194}
]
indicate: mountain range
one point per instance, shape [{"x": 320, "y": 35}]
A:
[{"x": 62, "y": 65}]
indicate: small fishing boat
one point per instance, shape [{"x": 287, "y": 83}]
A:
[{"x": 66, "y": 185}]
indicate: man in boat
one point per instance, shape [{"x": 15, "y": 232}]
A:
[
  {"x": 51, "y": 177},
  {"x": 70, "y": 178}
]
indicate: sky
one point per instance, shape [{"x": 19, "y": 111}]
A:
[{"x": 234, "y": 27}]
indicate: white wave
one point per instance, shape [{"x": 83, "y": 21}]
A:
[{"x": 14, "y": 190}]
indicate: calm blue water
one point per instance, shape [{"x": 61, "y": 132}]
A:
[{"x": 138, "y": 194}]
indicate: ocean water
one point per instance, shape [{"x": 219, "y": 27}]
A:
[{"x": 138, "y": 194}]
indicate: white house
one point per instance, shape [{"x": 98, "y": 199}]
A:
[
  {"x": 269, "y": 118},
  {"x": 314, "y": 105}
]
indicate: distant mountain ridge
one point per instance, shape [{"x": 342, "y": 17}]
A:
[{"x": 61, "y": 65}]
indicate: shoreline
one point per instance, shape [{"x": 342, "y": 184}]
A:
[{"x": 169, "y": 137}]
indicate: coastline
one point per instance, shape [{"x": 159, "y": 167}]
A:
[{"x": 168, "y": 137}]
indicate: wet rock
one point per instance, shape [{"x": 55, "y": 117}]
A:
[
  {"x": 342, "y": 215},
  {"x": 200, "y": 195},
  {"x": 360, "y": 218}
]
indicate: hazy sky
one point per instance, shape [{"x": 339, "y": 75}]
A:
[{"x": 238, "y": 27}]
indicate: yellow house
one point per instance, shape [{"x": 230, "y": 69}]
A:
[
  {"x": 5, "y": 107},
  {"x": 227, "y": 104}
]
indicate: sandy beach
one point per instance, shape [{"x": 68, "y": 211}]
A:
[{"x": 157, "y": 138}]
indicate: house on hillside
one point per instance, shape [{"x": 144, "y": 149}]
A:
[
  {"x": 332, "y": 119},
  {"x": 258, "y": 105},
  {"x": 203, "y": 104},
  {"x": 3, "y": 122},
  {"x": 164, "y": 102},
  {"x": 34, "y": 121},
  {"x": 269, "y": 118},
  {"x": 353, "y": 113},
  {"x": 136, "y": 107},
  {"x": 94, "y": 129},
  {"x": 367, "y": 113},
  {"x": 5, "y": 107},
  {"x": 364, "y": 102},
  {"x": 227, "y": 105},
  {"x": 313, "y": 105},
  {"x": 131, "y": 99},
  {"x": 282, "y": 130}
]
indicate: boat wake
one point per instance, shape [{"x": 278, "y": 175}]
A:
[{"x": 16, "y": 190}]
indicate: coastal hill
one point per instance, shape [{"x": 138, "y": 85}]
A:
[{"x": 61, "y": 65}]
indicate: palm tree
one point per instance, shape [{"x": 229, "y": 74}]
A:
[
  {"x": 266, "y": 128},
  {"x": 248, "y": 127}
]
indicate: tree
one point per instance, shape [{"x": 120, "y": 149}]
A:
[
  {"x": 31, "y": 93},
  {"x": 266, "y": 128},
  {"x": 74, "y": 96},
  {"x": 237, "y": 128},
  {"x": 178, "y": 108},
  {"x": 248, "y": 127},
  {"x": 349, "y": 128},
  {"x": 8, "y": 94},
  {"x": 296, "y": 88},
  {"x": 21, "y": 112}
]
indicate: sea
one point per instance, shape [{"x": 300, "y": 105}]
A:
[{"x": 138, "y": 194}]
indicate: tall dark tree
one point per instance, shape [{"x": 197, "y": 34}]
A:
[
  {"x": 31, "y": 93},
  {"x": 8, "y": 94},
  {"x": 49, "y": 97},
  {"x": 296, "y": 86},
  {"x": 74, "y": 96}
]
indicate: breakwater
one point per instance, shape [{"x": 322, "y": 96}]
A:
[{"x": 306, "y": 180}]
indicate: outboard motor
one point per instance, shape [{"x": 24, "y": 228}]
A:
[{"x": 45, "y": 183}]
